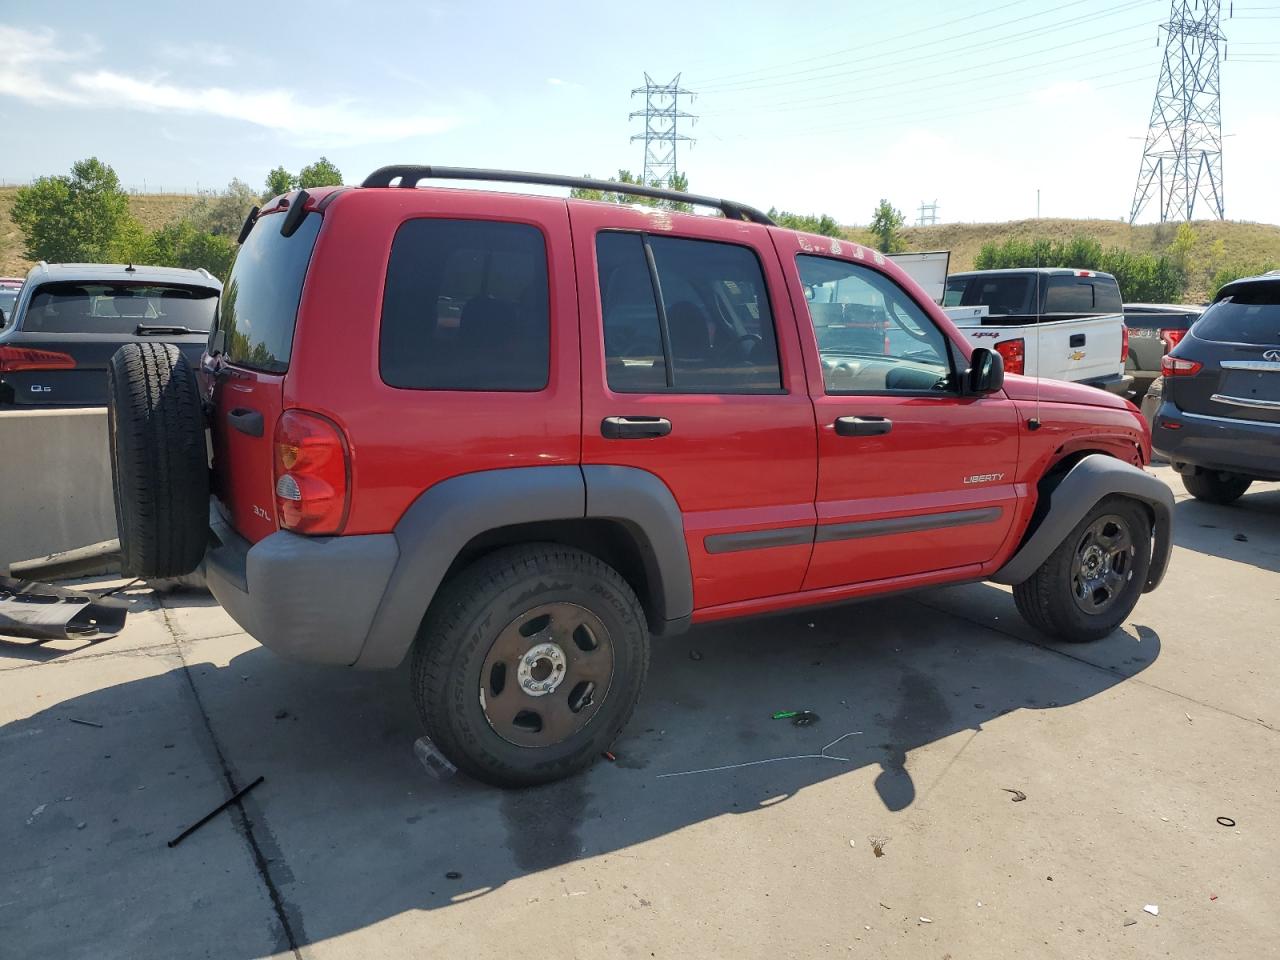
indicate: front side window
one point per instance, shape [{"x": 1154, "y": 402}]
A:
[
  {"x": 139, "y": 309},
  {"x": 872, "y": 337},
  {"x": 466, "y": 307},
  {"x": 709, "y": 331}
]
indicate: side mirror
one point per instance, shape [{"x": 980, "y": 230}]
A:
[{"x": 986, "y": 372}]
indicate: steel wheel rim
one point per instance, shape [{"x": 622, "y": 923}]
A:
[
  {"x": 1103, "y": 564},
  {"x": 546, "y": 675}
]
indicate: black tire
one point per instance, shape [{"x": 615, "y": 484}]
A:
[
  {"x": 1213, "y": 486},
  {"x": 1047, "y": 600},
  {"x": 159, "y": 461},
  {"x": 464, "y": 624}
]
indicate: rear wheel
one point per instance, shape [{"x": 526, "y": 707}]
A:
[
  {"x": 1215, "y": 486},
  {"x": 1093, "y": 580},
  {"x": 159, "y": 461},
  {"x": 529, "y": 663}
]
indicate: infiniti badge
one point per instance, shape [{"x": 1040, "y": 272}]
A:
[{"x": 1272, "y": 355}]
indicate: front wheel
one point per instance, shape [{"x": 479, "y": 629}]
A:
[
  {"x": 1093, "y": 580},
  {"x": 1215, "y": 486},
  {"x": 529, "y": 664}
]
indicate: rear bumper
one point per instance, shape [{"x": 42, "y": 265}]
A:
[
  {"x": 1115, "y": 383},
  {"x": 1249, "y": 447},
  {"x": 306, "y": 598}
]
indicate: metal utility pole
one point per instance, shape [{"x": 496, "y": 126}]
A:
[
  {"x": 928, "y": 214},
  {"x": 661, "y": 114},
  {"x": 1182, "y": 159}
]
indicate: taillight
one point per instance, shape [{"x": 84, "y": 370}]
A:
[
  {"x": 1177, "y": 367},
  {"x": 312, "y": 474},
  {"x": 1171, "y": 338},
  {"x": 1124, "y": 345},
  {"x": 1014, "y": 354},
  {"x": 13, "y": 359}
]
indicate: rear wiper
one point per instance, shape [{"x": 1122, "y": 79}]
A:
[{"x": 150, "y": 329}]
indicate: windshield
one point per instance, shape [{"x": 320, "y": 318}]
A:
[
  {"x": 1249, "y": 315},
  {"x": 118, "y": 308},
  {"x": 1001, "y": 295}
]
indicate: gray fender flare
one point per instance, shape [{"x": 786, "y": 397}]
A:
[
  {"x": 449, "y": 515},
  {"x": 1089, "y": 481}
]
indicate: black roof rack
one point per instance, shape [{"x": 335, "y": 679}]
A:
[{"x": 409, "y": 175}]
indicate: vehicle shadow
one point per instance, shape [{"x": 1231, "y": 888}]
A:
[
  {"x": 352, "y": 829},
  {"x": 1216, "y": 530}
]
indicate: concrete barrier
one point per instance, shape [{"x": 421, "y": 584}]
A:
[{"x": 55, "y": 482}]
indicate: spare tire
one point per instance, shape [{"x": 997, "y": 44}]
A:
[{"x": 159, "y": 462}]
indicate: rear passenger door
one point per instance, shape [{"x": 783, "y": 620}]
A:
[{"x": 691, "y": 370}]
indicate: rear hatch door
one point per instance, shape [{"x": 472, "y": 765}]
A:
[
  {"x": 250, "y": 350},
  {"x": 58, "y": 350},
  {"x": 1237, "y": 341}
]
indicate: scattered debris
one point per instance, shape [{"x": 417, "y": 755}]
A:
[
  {"x": 1129, "y": 921},
  {"x": 1018, "y": 795},
  {"x": 81, "y": 825},
  {"x": 695, "y": 654},
  {"x": 453, "y": 875},
  {"x": 41, "y": 611},
  {"x": 1226, "y": 821},
  {"x": 820, "y": 755},
  {"x": 281, "y": 714},
  {"x": 435, "y": 762},
  {"x": 213, "y": 813},
  {"x": 86, "y": 723},
  {"x": 35, "y": 813},
  {"x": 979, "y": 903},
  {"x": 877, "y": 845},
  {"x": 1050, "y": 879},
  {"x": 1242, "y": 538},
  {"x": 1213, "y": 896},
  {"x": 609, "y": 756},
  {"x": 854, "y": 843},
  {"x": 786, "y": 714},
  {"x": 925, "y": 920},
  {"x": 1188, "y": 716},
  {"x": 1152, "y": 909},
  {"x": 805, "y": 718},
  {"x": 885, "y": 905}
]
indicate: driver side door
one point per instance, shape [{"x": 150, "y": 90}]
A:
[{"x": 913, "y": 477}]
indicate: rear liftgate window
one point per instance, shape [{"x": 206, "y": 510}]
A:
[
  {"x": 1250, "y": 315},
  {"x": 260, "y": 301},
  {"x": 120, "y": 308},
  {"x": 465, "y": 307}
]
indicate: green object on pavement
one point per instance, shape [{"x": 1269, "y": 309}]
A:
[{"x": 785, "y": 714}]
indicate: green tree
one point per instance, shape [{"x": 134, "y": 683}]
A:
[
  {"x": 73, "y": 218},
  {"x": 1234, "y": 271},
  {"x": 678, "y": 182},
  {"x": 1143, "y": 278},
  {"x": 322, "y": 173},
  {"x": 279, "y": 181},
  {"x": 886, "y": 225},
  {"x": 223, "y": 214},
  {"x": 823, "y": 224},
  {"x": 183, "y": 244}
]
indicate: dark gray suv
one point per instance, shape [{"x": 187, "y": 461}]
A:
[{"x": 1219, "y": 417}]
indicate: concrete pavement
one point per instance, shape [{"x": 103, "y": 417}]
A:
[{"x": 1127, "y": 750}]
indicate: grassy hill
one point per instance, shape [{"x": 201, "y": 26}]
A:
[
  {"x": 153, "y": 209},
  {"x": 1218, "y": 242}
]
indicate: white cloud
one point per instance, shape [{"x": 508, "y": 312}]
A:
[
  {"x": 325, "y": 124},
  {"x": 209, "y": 54}
]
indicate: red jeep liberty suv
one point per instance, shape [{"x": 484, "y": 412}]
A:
[{"x": 515, "y": 436}]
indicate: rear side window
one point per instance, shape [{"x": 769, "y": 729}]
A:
[
  {"x": 1248, "y": 315},
  {"x": 709, "y": 331},
  {"x": 466, "y": 307},
  {"x": 260, "y": 301},
  {"x": 120, "y": 308},
  {"x": 1068, "y": 295}
]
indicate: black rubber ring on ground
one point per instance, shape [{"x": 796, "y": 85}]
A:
[{"x": 1226, "y": 821}]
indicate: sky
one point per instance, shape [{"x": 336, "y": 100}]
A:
[{"x": 809, "y": 107}]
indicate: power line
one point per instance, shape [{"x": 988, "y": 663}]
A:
[{"x": 1182, "y": 157}]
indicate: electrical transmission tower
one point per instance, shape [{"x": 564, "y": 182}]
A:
[
  {"x": 1182, "y": 159},
  {"x": 661, "y": 114},
  {"x": 928, "y": 214}
]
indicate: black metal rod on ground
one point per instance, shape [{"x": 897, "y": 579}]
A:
[{"x": 213, "y": 813}]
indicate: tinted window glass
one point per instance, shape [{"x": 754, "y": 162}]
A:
[
  {"x": 872, "y": 337},
  {"x": 8, "y": 297},
  {"x": 1106, "y": 296},
  {"x": 465, "y": 307},
  {"x": 719, "y": 335},
  {"x": 1068, "y": 295},
  {"x": 1249, "y": 315},
  {"x": 260, "y": 301},
  {"x": 1001, "y": 295},
  {"x": 118, "y": 308}
]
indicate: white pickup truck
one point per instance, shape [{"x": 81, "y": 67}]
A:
[{"x": 1049, "y": 322}]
